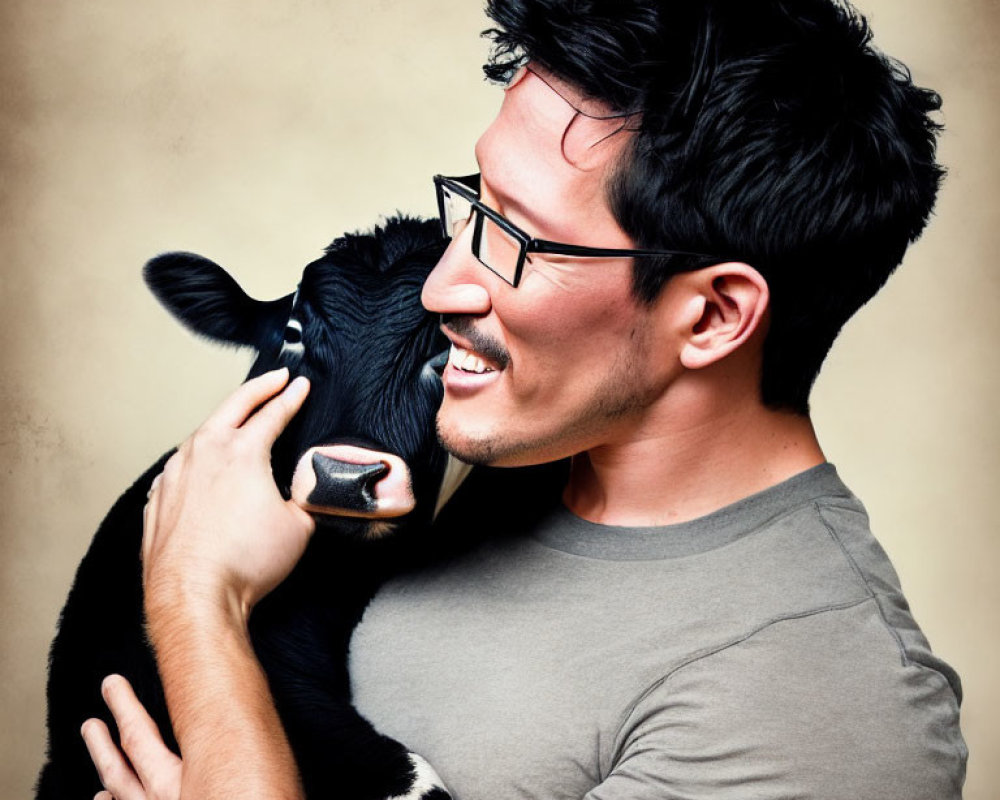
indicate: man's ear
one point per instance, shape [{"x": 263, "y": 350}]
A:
[{"x": 726, "y": 305}]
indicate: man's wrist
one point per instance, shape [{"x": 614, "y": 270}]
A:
[
  {"x": 192, "y": 609},
  {"x": 203, "y": 649}
]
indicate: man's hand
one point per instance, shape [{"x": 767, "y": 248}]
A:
[
  {"x": 218, "y": 536},
  {"x": 217, "y": 530},
  {"x": 152, "y": 771}
]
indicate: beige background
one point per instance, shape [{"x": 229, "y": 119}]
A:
[{"x": 254, "y": 131}]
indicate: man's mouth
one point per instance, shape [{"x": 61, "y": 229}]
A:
[
  {"x": 466, "y": 340},
  {"x": 468, "y": 361}
]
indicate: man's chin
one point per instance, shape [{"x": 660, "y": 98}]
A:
[
  {"x": 491, "y": 451},
  {"x": 478, "y": 447},
  {"x": 472, "y": 451}
]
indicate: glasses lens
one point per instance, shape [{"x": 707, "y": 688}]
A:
[
  {"x": 455, "y": 211},
  {"x": 496, "y": 248}
]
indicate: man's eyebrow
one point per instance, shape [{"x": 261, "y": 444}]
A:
[{"x": 525, "y": 218}]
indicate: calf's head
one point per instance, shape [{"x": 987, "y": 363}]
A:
[{"x": 362, "y": 453}]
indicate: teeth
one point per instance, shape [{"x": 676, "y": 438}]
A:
[
  {"x": 467, "y": 361},
  {"x": 472, "y": 363},
  {"x": 457, "y": 356}
]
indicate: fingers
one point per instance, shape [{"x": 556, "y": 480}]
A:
[
  {"x": 240, "y": 404},
  {"x": 115, "y": 773},
  {"x": 271, "y": 420},
  {"x": 158, "y": 769},
  {"x": 257, "y": 405}
]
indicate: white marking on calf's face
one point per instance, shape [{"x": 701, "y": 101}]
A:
[{"x": 293, "y": 345}]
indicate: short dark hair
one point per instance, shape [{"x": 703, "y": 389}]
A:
[{"x": 769, "y": 130}]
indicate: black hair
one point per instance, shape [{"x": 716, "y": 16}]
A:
[{"x": 770, "y": 130}]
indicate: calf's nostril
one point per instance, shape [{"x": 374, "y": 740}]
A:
[{"x": 293, "y": 335}]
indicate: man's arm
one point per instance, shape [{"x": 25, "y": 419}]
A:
[
  {"x": 221, "y": 708},
  {"x": 218, "y": 537}
]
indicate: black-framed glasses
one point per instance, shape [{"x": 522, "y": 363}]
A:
[{"x": 503, "y": 248}]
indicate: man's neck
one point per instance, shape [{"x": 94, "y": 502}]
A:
[{"x": 683, "y": 471}]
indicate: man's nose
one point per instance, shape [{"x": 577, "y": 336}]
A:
[{"x": 456, "y": 284}]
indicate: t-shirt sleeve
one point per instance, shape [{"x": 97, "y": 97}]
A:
[{"x": 823, "y": 707}]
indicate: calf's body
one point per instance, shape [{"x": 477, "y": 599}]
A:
[{"x": 356, "y": 329}]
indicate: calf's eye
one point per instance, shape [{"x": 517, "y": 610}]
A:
[{"x": 293, "y": 332}]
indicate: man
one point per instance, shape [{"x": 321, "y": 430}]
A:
[{"x": 679, "y": 206}]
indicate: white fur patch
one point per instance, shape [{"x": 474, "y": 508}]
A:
[
  {"x": 455, "y": 472},
  {"x": 293, "y": 348},
  {"x": 425, "y": 780}
]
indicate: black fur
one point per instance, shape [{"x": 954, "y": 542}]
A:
[{"x": 367, "y": 340}]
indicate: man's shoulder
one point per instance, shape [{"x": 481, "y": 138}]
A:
[{"x": 821, "y": 705}]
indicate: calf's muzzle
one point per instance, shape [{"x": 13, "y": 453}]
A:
[{"x": 351, "y": 481}]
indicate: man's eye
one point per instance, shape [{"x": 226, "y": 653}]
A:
[
  {"x": 515, "y": 75},
  {"x": 513, "y": 72}
]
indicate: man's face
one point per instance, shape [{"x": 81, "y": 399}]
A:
[{"x": 562, "y": 363}]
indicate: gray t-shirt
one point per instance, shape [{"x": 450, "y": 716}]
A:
[{"x": 762, "y": 651}]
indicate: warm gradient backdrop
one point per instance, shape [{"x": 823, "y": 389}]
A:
[{"x": 253, "y": 131}]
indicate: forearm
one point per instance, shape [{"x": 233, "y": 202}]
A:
[{"x": 232, "y": 742}]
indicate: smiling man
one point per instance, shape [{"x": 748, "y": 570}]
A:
[{"x": 679, "y": 206}]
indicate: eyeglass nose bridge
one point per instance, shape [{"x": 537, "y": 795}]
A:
[{"x": 450, "y": 193}]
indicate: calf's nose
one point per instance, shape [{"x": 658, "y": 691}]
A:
[
  {"x": 351, "y": 481},
  {"x": 343, "y": 485}
]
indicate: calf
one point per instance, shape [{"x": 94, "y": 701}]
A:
[{"x": 356, "y": 329}]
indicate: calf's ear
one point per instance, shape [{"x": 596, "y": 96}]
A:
[{"x": 208, "y": 301}]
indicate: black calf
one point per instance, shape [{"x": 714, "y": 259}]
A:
[{"x": 355, "y": 327}]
